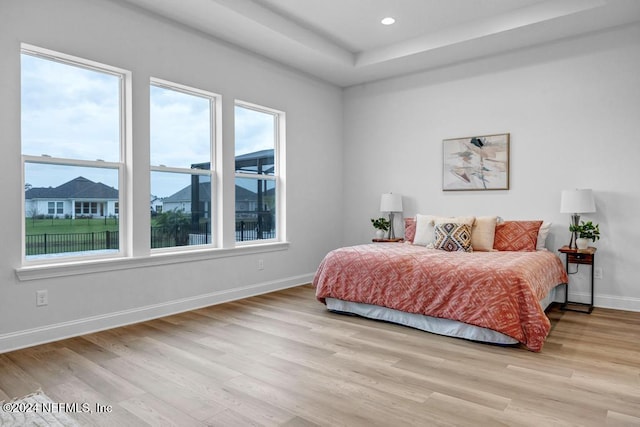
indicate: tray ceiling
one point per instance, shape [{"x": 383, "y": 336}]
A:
[{"x": 343, "y": 42}]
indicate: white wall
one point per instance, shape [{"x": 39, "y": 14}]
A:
[
  {"x": 122, "y": 36},
  {"x": 573, "y": 111}
]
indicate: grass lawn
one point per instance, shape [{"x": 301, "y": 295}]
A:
[{"x": 68, "y": 226}]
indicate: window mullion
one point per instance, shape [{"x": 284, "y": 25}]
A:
[
  {"x": 181, "y": 170},
  {"x": 71, "y": 162},
  {"x": 256, "y": 176}
]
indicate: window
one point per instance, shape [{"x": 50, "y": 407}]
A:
[
  {"x": 72, "y": 119},
  {"x": 258, "y": 136},
  {"x": 182, "y": 176},
  {"x": 88, "y": 208},
  {"x": 55, "y": 208}
]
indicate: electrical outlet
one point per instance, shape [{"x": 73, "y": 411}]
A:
[
  {"x": 597, "y": 273},
  {"x": 260, "y": 264},
  {"x": 42, "y": 298}
]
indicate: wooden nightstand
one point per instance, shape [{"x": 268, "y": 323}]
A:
[
  {"x": 578, "y": 256},
  {"x": 387, "y": 240}
]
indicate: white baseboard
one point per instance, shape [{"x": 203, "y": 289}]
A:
[
  {"x": 27, "y": 338},
  {"x": 618, "y": 303},
  {"x": 608, "y": 301}
]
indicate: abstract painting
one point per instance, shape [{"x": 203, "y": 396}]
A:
[{"x": 476, "y": 163}]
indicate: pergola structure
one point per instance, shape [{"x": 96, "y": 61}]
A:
[{"x": 256, "y": 163}]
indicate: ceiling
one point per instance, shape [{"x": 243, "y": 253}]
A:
[{"x": 343, "y": 42}]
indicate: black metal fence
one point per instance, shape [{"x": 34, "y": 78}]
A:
[
  {"x": 161, "y": 237},
  {"x": 51, "y": 243},
  {"x": 167, "y": 237},
  {"x": 251, "y": 230}
]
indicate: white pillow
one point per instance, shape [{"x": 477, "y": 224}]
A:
[
  {"x": 424, "y": 230},
  {"x": 483, "y": 233},
  {"x": 543, "y": 232}
]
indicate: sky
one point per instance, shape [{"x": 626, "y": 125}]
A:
[{"x": 73, "y": 112}]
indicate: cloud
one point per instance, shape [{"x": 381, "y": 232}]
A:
[
  {"x": 254, "y": 130},
  {"x": 73, "y": 112},
  {"x": 68, "y": 111},
  {"x": 180, "y": 128}
]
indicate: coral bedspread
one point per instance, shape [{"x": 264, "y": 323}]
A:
[{"x": 495, "y": 290}]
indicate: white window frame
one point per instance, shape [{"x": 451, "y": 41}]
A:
[
  {"x": 121, "y": 166},
  {"x": 215, "y": 101},
  {"x": 278, "y": 176}
]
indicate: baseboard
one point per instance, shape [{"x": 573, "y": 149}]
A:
[
  {"x": 608, "y": 301},
  {"x": 59, "y": 331},
  {"x": 617, "y": 303}
]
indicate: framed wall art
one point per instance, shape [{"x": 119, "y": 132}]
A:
[{"x": 476, "y": 163}]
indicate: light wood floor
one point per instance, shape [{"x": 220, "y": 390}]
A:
[{"x": 282, "y": 359}]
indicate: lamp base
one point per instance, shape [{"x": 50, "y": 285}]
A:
[
  {"x": 575, "y": 220},
  {"x": 392, "y": 234}
]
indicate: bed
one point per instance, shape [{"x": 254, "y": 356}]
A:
[{"x": 495, "y": 296}]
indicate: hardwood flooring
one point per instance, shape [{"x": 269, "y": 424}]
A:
[{"x": 283, "y": 360}]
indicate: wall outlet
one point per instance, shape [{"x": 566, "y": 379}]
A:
[
  {"x": 597, "y": 273},
  {"x": 260, "y": 264},
  {"x": 42, "y": 298}
]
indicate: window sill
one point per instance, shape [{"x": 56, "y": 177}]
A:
[{"x": 45, "y": 271}]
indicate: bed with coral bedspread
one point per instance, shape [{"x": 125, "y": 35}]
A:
[{"x": 498, "y": 291}]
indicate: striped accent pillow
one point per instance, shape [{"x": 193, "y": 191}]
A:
[
  {"x": 519, "y": 236},
  {"x": 452, "y": 237}
]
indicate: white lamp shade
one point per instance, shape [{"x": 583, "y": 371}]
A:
[
  {"x": 391, "y": 202},
  {"x": 577, "y": 201}
]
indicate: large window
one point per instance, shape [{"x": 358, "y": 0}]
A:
[
  {"x": 76, "y": 128},
  {"x": 258, "y": 133},
  {"x": 182, "y": 195},
  {"x": 72, "y": 154}
]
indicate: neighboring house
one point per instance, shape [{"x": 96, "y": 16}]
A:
[
  {"x": 156, "y": 204},
  {"x": 78, "y": 197},
  {"x": 246, "y": 201},
  {"x": 181, "y": 200},
  {"x": 260, "y": 162}
]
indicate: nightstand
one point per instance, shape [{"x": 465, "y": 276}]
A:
[
  {"x": 388, "y": 240},
  {"x": 578, "y": 256}
]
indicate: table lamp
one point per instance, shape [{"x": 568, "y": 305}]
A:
[
  {"x": 576, "y": 202},
  {"x": 391, "y": 203}
]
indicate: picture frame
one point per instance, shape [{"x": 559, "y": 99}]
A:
[{"x": 476, "y": 163}]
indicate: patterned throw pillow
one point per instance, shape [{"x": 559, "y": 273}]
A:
[
  {"x": 452, "y": 237},
  {"x": 517, "y": 236}
]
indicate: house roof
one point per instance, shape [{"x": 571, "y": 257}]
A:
[
  {"x": 184, "y": 195},
  {"x": 262, "y": 161},
  {"x": 77, "y": 188}
]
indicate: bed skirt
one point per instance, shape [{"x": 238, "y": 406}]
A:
[{"x": 436, "y": 325}]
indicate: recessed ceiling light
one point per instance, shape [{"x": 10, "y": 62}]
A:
[{"x": 387, "y": 21}]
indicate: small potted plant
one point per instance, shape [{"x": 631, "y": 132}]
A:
[
  {"x": 586, "y": 231},
  {"x": 381, "y": 225}
]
